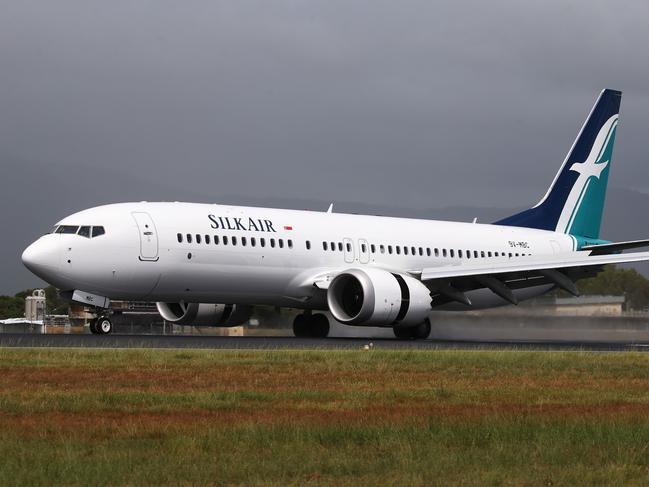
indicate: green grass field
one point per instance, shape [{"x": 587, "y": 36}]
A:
[{"x": 86, "y": 417}]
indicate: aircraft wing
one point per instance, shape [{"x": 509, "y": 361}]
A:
[{"x": 502, "y": 277}]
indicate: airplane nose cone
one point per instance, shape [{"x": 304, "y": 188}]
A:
[{"x": 42, "y": 258}]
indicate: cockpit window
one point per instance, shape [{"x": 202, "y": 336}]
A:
[
  {"x": 67, "y": 229},
  {"x": 84, "y": 232},
  {"x": 54, "y": 230},
  {"x": 97, "y": 231}
]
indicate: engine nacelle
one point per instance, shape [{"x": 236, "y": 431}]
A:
[
  {"x": 204, "y": 314},
  {"x": 375, "y": 297}
]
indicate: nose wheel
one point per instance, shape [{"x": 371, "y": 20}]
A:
[
  {"x": 101, "y": 326},
  {"x": 311, "y": 326}
]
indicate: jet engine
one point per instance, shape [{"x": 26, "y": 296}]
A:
[
  {"x": 375, "y": 297},
  {"x": 204, "y": 314}
]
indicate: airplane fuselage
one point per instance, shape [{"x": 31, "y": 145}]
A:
[{"x": 246, "y": 255}]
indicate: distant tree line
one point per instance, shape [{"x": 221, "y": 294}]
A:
[
  {"x": 612, "y": 281},
  {"x": 616, "y": 281}
]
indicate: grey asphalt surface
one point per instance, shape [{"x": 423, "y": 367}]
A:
[{"x": 290, "y": 343}]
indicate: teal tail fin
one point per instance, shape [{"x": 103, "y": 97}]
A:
[{"x": 575, "y": 201}]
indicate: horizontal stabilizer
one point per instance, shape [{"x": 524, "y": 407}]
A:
[{"x": 614, "y": 247}]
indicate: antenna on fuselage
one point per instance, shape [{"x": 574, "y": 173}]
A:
[{"x": 331, "y": 208}]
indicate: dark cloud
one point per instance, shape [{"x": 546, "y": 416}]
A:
[{"x": 408, "y": 105}]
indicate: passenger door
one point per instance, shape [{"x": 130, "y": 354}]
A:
[{"x": 148, "y": 236}]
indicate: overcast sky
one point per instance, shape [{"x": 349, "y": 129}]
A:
[{"x": 405, "y": 105}]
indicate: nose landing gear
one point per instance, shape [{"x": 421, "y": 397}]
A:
[{"x": 307, "y": 325}]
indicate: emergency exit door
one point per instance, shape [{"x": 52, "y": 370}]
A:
[
  {"x": 348, "y": 249},
  {"x": 363, "y": 251}
]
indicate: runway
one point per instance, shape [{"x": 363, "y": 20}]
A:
[{"x": 290, "y": 343}]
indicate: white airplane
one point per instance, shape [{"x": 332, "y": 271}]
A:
[{"x": 208, "y": 264}]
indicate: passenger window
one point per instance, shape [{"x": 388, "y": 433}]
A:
[
  {"x": 516, "y": 254},
  {"x": 390, "y": 249},
  {"x": 225, "y": 239},
  {"x": 482, "y": 254},
  {"x": 340, "y": 246},
  {"x": 459, "y": 253},
  {"x": 272, "y": 242},
  {"x": 443, "y": 252},
  {"x": 428, "y": 251},
  {"x": 189, "y": 238},
  {"x": 262, "y": 241},
  {"x": 281, "y": 243},
  {"x": 243, "y": 241},
  {"x": 253, "y": 241},
  {"x": 421, "y": 251},
  {"x": 468, "y": 254},
  {"x": 436, "y": 252},
  {"x": 333, "y": 246},
  {"x": 488, "y": 254},
  {"x": 382, "y": 248},
  {"x": 290, "y": 243},
  {"x": 349, "y": 247},
  {"x": 68, "y": 229},
  {"x": 216, "y": 239},
  {"x": 234, "y": 240},
  {"x": 510, "y": 255},
  {"x": 475, "y": 254},
  {"x": 324, "y": 245},
  {"x": 363, "y": 248},
  {"x": 373, "y": 248},
  {"x": 207, "y": 239},
  {"x": 198, "y": 238},
  {"x": 84, "y": 232},
  {"x": 179, "y": 236},
  {"x": 405, "y": 251},
  {"x": 308, "y": 245},
  {"x": 398, "y": 248},
  {"x": 413, "y": 251}
]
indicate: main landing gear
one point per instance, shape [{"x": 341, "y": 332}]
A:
[
  {"x": 418, "y": 332},
  {"x": 101, "y": 326},
  {"x": 307, "y": 325}
]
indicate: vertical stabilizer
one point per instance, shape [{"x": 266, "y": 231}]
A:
[{"x": 575, "y": 201}]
